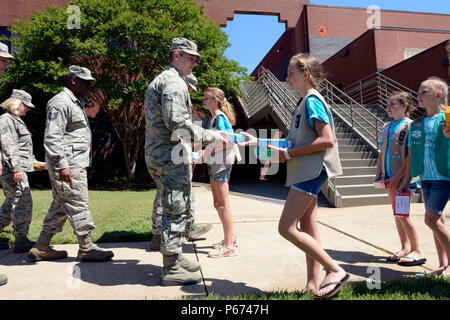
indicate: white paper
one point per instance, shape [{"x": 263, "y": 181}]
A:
[{"x": 402, "y": 205}]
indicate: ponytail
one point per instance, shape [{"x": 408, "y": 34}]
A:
[{"x": 223, "y": 104}]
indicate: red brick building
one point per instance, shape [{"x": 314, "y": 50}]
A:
[{"x": 351, "y": 46}]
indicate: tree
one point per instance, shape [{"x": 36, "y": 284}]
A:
[{"x": 125, "y": 43}]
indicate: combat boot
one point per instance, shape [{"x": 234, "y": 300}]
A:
[
  {"x": 23, "y": 244},
  {"x": 173, "y": 274},
  {"x": 197, "y": 230},
  {"x": 155, "y": 243},
  {"x": 43, "y": 251},
  {"x": 191, "y": 266},
  {"x": 3, "y": 279},
  {"x": 89, "y": 252}
]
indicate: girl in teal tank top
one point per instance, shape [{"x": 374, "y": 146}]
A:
[{"x": 430, "y": 158}]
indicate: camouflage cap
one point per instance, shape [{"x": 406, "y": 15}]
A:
[
  {"x": 80, "y": 72},
  {"x": 23, "y": 96},
  {"x": 4, "y": 52},
  {"x": 191, "y": 80},
  {"x": 185, "y": 45}
]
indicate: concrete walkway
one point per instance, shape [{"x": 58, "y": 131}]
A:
[{"x": 357, "y": 238}]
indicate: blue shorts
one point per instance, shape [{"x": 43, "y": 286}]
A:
[
  {"x": 435, "y": 195},
  {"x": 312, "y": 187},
  {"x": 221, "y": 176}
]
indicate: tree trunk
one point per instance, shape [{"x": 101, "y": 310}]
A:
[{"x": 130, "y": 165}]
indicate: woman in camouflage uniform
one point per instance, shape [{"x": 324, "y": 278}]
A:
[{"x": 17, "y": 160}]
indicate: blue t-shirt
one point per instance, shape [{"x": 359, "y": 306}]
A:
[
  {"x": 392, "y": 128},
  {"x": 222, "y": 124},
  {"x": 315, "y": 109},
  {"x": 430, "y": 171}
]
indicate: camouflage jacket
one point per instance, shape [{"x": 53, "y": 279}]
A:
[
  {"x": 169, "y": 129},
  {"x": 16, "y": 143},
  {"x": 67, "y": 137}
]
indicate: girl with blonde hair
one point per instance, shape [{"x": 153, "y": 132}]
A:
[
  {"x": 312, "y": 159},
  {"x": 429, "y": 144},
  {"x": 220, "y": 164}
]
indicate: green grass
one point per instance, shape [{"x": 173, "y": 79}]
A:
[
  {"x": 406, "y": 288},
  {"x": 119, "y": 216}
]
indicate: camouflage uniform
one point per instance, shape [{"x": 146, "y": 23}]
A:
[
  {"x": 67, "y": 142},
  {"x": 17, "y": 156},
  {"x": 168, "y": 155}
]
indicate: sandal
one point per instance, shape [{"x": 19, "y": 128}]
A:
[
  {"x": 396, "y": 257},
  {"x": 220, "y": 244},
  {"x": 415, "y": 261}
]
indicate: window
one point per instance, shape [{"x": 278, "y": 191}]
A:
[{"x": 408, "y": 53}]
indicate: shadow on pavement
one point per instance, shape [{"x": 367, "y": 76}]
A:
[{"x": 225, "y": 288}]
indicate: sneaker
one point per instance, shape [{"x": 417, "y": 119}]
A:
[
  {"x": 220, "y": 244},
  {"x": 222, "y": 252}
]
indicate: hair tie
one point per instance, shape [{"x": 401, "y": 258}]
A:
[{"x": 224, "y": 100}]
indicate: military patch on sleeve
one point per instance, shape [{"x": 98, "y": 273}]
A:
[
  {"x": 4, "y": 130},
  {"x": 52, "y": 115}
]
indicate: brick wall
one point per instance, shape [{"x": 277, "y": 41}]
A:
[
  {"x": 221, "y": 11},
  {"x": 390, "y": 44},
  {"x": 414, "y": 70},
  {"x": 359, "y": 62}
]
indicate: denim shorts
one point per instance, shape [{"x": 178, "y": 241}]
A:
[
  {"x": 435, "y": 195},
  {"x": 312, "y": 187},
  {"x": 221, "y": 176}
]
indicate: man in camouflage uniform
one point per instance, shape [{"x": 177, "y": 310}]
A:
[
  {"x": 67, "y": 142},
  {"x": 168, "y": 154},
  {"x": 193, "y": 231},
  {"x": 5, "y": 57},
  {"x": 17, "y": 160}
]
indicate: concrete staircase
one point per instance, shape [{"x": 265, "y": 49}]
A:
[{"x": 358, "y": 130}]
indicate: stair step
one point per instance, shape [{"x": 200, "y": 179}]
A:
[
  {"x": 351, "y": 148},
  {"x": 351, "y": 171},
  {"x": 358, "y": 162},
  {"x": 364, "y": 200},
  {"x": 349, "y": 142},
  {"x": 356, "y": 179},
  {"x": 372, "y": 199},
  {"x": 357, "y": 189},
  {"x": 357, "y": 155}
]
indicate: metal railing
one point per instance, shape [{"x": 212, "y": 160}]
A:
[
  {"x": 375, "y": 90},
  {"x": 268, "y": 90},
  {"x": 283, "y": 101},
  {"x": 365, "y": 123}
]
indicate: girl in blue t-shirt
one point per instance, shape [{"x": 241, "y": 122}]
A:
[
  {"x": 423, "y": 137},
  {"x": 220, "y": 164},
  {"x": 397, "y": 108},
  {"x": 303, "y": 75}
]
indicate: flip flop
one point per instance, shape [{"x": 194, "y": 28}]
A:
[
  {"x": 338, "y": 284},
  {"x": 416, "y": 261},
  {"x": 397, "y": 256}
]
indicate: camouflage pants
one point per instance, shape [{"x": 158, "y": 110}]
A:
[
  {"x": 69, "y": 201},
  {"x": 174, "y": 187},
  {"x": 18, "y": 205},
  {"x": 158, "y": 210}
]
